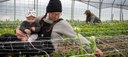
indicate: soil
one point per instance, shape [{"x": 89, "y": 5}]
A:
[{"x": 114, "y": 46}]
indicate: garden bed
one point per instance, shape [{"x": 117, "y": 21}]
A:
[{"x": 111, "y": 46}]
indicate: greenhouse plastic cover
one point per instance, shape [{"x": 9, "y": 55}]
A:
[
  {"x": 3, "y": 0},
  {"x": 107, "y": 3}
]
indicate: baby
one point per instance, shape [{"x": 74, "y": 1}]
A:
[{"x": 30, "y": 27}]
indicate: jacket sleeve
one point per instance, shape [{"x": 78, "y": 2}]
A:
[
  {"x": 64, "y": 28},
  {"x": 22, "y": 26}
]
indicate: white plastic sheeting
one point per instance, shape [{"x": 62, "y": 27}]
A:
[
  {"x": 3, "y": 0},
  {"x": 107, "y": 3}
]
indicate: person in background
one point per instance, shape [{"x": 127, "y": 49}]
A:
[
  {"x": 29, "y": 28},
  {"x": 91, "y": 18}
]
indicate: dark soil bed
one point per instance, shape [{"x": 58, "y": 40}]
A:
[{"x": 114, "y": 46}]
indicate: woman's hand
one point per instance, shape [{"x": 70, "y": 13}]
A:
[
  {"x": 27, "y": 31},
  {"x": 99, "y": 53}
]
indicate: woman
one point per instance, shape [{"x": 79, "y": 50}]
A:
[{"x": 53, "y": 27}]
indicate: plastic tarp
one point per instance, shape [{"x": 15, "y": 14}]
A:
[
  {"x": 3, "y": 0},
  {"x": 107, "y": 3}
]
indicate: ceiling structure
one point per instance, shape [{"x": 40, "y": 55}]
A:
[
  {"x": 102, "y": 4},
  {"x": 106, "y": 3}
]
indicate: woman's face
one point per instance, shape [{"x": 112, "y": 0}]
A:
[{"x": 54, "y": 15}]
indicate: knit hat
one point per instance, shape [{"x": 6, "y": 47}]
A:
[
  {"x": 31, "y": 12},
  {"x": 54, "y": 6}
]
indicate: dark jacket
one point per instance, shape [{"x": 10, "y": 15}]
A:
[
  {"x": 93, "y": 19},
  {"x": 26, "y": 25}
]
